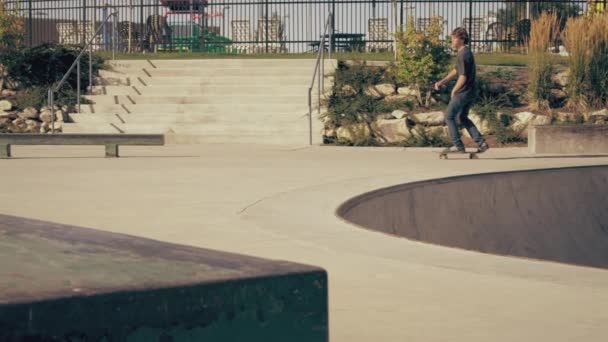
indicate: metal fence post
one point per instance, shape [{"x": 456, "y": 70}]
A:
[
  {"x": 266, "y": 22},
  {"x": 333, "y": 27},
  {"x": 78, "y": 84},
  {"x": 83, "y": 21},
  {"x": 114, "y": 34},
  {"x": 91, "y": 69},
  {"x": 30, "y": 23},
  {"x": 470, "y": 23},
  {"x": 51, "y": 105}
]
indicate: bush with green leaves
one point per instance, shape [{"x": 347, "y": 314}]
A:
[
  {"x": 46, "y": 64},
  {"x": 422, "y": 58},
  {"x": 487, "y": 109}
]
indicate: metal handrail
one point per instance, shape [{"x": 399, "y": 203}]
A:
[
  {"x": 52, "y": 90},
  {"x": 320, "y": 72}
]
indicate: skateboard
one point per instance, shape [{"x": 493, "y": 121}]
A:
[{"x": 472, "y": 155}]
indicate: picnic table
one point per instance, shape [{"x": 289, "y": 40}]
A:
[{"x": 342, "y": 42}]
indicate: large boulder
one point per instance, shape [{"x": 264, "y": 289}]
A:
[
  {"x": 393, "y": 131},
  {"x": 407, "y": 91},
  {"x": 541, "y": 120},
  {"x": 353, "y": 133},
  {"x": 598, "y": 117},
  {"x": 399, "y": 114},
  {"x": 482, "y": 125},
  {"x": 385, "y": 89},
  {"x": 46, "y": 117},
  {"x": 430, "y": 119},
  {"x": 8, "y": 93},
  {"x": 29, "y": 113},
  {"x": 5, "y": 106}
]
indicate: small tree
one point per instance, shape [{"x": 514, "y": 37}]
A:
[{"x": 421, "y": 58}]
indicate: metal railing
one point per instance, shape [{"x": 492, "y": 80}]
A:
[
  {"x": 319, "y": 72},
  {"x": 76, "y": 64}
]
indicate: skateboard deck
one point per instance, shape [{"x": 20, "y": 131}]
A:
[{"x": 471, "y": 154}]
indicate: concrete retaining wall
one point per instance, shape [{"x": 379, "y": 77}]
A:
[{"x": 568, "y": 139}]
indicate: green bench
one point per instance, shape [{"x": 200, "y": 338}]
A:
[{"x": 111, "y": 141}]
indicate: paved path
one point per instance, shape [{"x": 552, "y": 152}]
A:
[{"x": 280, "y": 203}]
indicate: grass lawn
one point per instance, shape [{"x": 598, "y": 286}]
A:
[{"x": 502, "y": 59}]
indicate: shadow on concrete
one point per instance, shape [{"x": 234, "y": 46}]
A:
[{"x": 551, "y": 214}]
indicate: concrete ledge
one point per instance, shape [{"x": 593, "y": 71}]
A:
[
  {"x": 568, "y": 139},
  {"x": 62, "y": 283}
]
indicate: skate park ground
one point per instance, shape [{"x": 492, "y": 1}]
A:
[{"x": 280, "y": 203}]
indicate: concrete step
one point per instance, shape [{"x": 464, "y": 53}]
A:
[
  {"x": 201, "y": 99},
  {"x": 185, "y": 90},
  {"x": 285, "y": 80},
  {"x": 207, "y": 108},
  {"x": 217, "y": 63},
  {"x": 210, "y": 72},
  {"x": 198, "y": 118}
]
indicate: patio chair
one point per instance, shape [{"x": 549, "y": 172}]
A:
[
  {"x": 274, "y": 28},
  {"x": 241, "y": 36},
  {"x": 378, "y": 37}
]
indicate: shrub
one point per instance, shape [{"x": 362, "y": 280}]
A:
[
  {"x": 543, "y": 35},
  {"x": 586, "y": 40},
  {"x": 421, "y": 58},
  {"x": 46, "y": 64}
]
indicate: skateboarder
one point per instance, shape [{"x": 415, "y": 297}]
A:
[{"x": 463, "y": 94}]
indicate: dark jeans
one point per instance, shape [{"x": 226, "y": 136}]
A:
[{"x": 458, "y": 116}]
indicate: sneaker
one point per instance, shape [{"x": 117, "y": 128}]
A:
[
  {"x": 483, "y": 147},
  {"x": 454, "y": 149}
]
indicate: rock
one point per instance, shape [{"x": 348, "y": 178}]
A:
[
  {"x": 567, "y": 117},
  {"x": 407, "y": 91},
  {"x": 29, "y": 113},
  {"x": 329, "y": 132},
  {"x": 43, "y": 129},
  {"x": 18, "y": 121},
  {"x": 59, "y": 116},
  {"x": 482, "y": 125},
  {"x": 522, "y": 120},
  {"x": 385, "y": 89},
  {"x": 5, "y": 105},
  {"x": 384, "y": 116},
  {"x": 353, "y": 133},
  {"x": 393, "y": 131},
  {"x": 541, "y": 120},
  {"x": 399, "y": 114},
  {"x": 348, "y": 90},
  {"x": 58, "y": 126},
  {"x": 430, "y": 119},
  {"x": 597, "y": 117},
  {"x": 46, "y": 117},
  {"x": 561, "y": 78},
  {"x": 5, "y": 121},
  {"x": 371, "y": 91},
  {"x": 8, "y": 93}
]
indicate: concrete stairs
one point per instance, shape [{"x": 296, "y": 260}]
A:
[{"x": 205, "y": 101}]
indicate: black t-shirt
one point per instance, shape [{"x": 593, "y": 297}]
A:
[{"x": 465, "y": 65}]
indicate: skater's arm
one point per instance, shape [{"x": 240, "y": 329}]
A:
[
  {"x": 459, "y": 83},
  {"x": 447, "y": 79}
]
